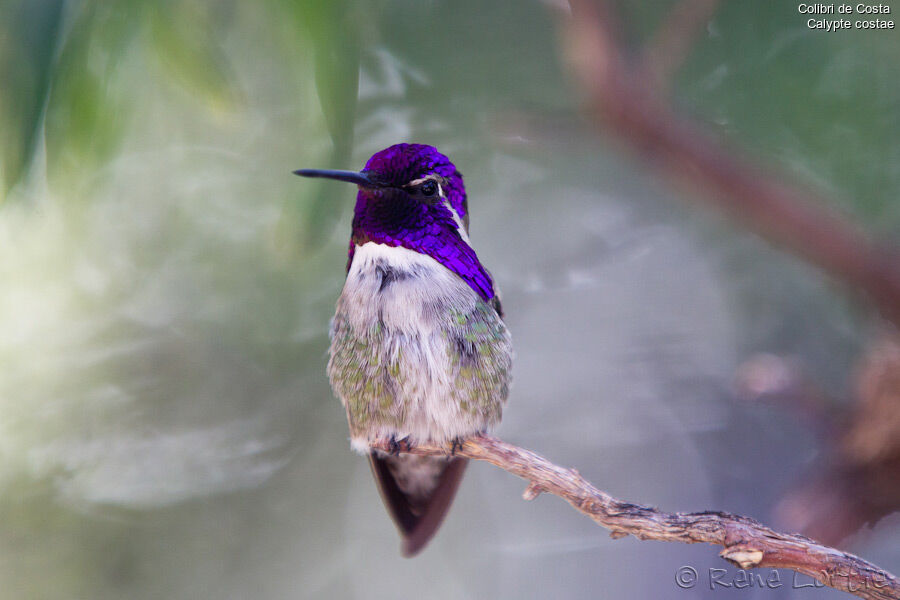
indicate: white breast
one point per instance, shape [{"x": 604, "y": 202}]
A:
[
  {"x": 408, "y": 291},
  {"x": 411, "y": 300}
]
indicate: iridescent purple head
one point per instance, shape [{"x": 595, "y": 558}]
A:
[
  {"x": 401, "y": 164},
  {"x": 412, "y": 196}
]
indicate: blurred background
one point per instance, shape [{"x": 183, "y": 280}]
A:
[{"x": 166, "y": 425}]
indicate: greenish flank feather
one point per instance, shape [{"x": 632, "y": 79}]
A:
[{"x": 381, "y": 374}]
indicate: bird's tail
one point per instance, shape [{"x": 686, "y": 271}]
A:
[{"x": 417, "y": 491}]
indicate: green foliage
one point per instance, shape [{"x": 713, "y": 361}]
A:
[
  {"x": 333, "y": 33},
  {"x": 85, "y": 116},
  {"x": 185, "y": 35},
  {"x": 29, "y": 38}
]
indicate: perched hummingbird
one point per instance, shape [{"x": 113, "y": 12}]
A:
[{"x": 419, "y": 352}]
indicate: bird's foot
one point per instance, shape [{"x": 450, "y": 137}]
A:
[
  {"x": 396, "y": 446},
  {"x": 456, "y": 444}
]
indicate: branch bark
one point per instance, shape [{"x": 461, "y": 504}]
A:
[
  {"x": 620, "y": 98},
  {"x": 746, "y": 543},
  {"x": 672, "y": 43}
]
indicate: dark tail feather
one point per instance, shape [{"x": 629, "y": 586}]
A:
[{"x": 418, "y": 518}]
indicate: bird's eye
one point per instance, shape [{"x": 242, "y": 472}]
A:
[{"x": 428, "y": 188}]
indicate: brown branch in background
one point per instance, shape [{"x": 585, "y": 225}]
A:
[
  {"x": 859, "y": 481},
  {"x": 747, "y": 544},
  {"x": 672, "y": 42},
  {"x": 767, "y": 379},
  {"x": 620, "y": 98},
  {"x": 856, "y": 482}
]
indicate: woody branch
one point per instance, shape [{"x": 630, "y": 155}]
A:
[{"x": 746, "y": 543}]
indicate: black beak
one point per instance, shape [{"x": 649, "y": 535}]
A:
[{"x": 359, "y": 179}]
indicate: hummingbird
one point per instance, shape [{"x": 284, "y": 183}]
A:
[{"x": 419, "y": 350}]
